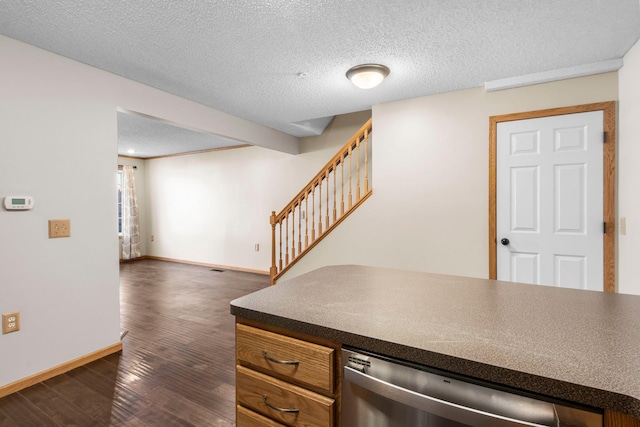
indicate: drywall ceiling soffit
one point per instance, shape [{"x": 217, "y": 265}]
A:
[
  {"x": 148, "y": 137},
  {"x": 282, "y": 64}
]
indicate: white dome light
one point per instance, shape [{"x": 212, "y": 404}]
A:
[{"x": 367, "y": 76}]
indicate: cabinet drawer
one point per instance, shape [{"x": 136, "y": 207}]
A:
[
  {"x": 263, "y": 349},
  {"x": 256, "y": 390},
  {"x": 248, "y": 418}
]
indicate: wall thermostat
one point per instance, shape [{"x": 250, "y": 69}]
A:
[{"x": 18, "y": 203}]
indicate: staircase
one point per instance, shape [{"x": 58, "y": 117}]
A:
[{"x": 337, "y": 190}]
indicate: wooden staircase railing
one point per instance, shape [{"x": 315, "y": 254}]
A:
[{"x": 328, "y": 187}]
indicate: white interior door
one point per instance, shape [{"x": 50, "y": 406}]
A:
[{"x": 549, "y": 200}]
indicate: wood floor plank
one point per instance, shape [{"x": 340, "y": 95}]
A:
[
  {"x": 124, "y": 401},
  {"x": 5, "y": 421},
  {"x": 88, "y": 399},
  {"x": 177, "y": 364},
  {"x": 190, "y": 411},
  {"x": 57, "y": 408},
  {"x": 21, "y": 412},
  {"x": 156, "y": 416}
]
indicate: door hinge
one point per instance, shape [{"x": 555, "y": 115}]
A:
[
  {"x": 604, "y": 137},
  {"x": 604, "y": 227}
]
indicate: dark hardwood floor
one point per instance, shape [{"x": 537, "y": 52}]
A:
[{"x": 177, "y": 365}]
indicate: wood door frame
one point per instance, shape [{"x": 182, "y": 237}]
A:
[{"x": 609, "y": 178}]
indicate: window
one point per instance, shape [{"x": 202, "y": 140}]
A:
[{"x": 119, "y": 201}]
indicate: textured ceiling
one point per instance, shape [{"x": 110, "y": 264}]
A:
[{"x": 282, "y": 63}]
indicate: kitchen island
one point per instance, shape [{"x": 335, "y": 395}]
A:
[{"x": 574, "y": 345}]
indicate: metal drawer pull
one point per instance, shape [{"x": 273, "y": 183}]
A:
[
  {"x": 264, "y": 399},
  {"x": 282, "y": 362}
]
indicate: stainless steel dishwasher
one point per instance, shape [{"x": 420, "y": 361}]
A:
[{"x": 380, "y": 392}]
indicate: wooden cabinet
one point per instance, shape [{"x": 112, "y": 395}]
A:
[
  {"x": 248, "y": 418},
  {"x": 275, "y": 353},
  {"x": 617, "y": 419},
  {"x": 285, "y": 380}
]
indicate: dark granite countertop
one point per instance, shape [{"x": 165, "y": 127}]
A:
[{"x": 580, "y": 346}]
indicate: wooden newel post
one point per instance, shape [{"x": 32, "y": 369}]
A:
[{"x": 273, "y": 270}]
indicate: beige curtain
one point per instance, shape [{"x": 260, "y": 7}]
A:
[{"x": 130, "y": 220}]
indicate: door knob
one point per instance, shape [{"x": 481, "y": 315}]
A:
[{"x": 504, "y": 241}]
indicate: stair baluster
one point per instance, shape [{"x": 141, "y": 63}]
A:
[{"x": 324, "y": 177}]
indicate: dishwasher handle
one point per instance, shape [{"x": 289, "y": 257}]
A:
[{"x": 432, "y": 405}]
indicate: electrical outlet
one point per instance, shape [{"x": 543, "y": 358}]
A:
[
  {"x": 152, "y": 238},
  {"x": 10, "y": 322},
  {"x": 59, "y": 228}
]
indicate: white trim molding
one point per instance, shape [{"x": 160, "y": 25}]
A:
[{"x": 554, "y": 75}]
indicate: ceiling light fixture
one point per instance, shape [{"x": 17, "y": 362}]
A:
[
  {"x": 367, "y": 76},
  {"x": 131, "y": 151}
]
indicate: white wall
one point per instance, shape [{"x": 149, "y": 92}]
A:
[
  {"x": 629, "y": 172},
  {"x": 61, "y": 150},
  {"x": 429, "y": 209},
  {"x": 58, "y": 143},
  {"x": 214, "y": 207}
]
